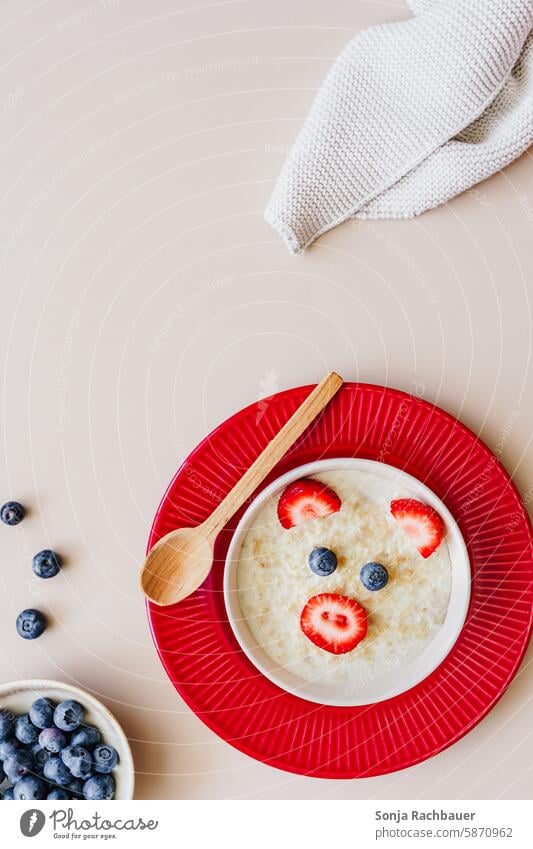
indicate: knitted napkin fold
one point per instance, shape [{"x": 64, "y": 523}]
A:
[{"x": 411, "y": 114}]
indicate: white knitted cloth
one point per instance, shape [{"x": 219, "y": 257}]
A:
[{"x": 411, "y": 114}]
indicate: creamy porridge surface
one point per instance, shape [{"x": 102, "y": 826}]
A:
[{"x": 275, "y": 582}]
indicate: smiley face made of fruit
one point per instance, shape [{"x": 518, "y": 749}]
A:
[{"x": 338, "y": 623}]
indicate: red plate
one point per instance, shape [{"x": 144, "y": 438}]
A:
[{"x": 206, "y": 664}]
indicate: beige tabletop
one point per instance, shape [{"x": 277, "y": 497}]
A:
[{"x": 144, "y": 300}]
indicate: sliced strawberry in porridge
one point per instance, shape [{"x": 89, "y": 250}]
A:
[
  {"x": 419, "y": 521},
  {"x": 306, "y": 499},
  {"x": 334, "y": 622}
]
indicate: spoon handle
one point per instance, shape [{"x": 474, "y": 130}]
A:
[{"x": 274, "y": 451}]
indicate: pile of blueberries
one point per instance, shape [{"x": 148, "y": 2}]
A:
[
  {"x": 46, "y": 564},
  {"x": 49, "y": 753}
]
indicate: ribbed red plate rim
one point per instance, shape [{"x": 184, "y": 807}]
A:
[{"x": 205, "y": 663}]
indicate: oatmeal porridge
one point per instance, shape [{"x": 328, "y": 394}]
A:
[{"x": 342, "y": 576}]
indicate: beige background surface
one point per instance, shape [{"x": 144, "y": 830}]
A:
[{"x": 144, "y": 300}]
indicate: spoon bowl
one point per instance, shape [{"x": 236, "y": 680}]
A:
[
  {"x": 177, "y": 565},
  {"x": 181, "y": 561}
]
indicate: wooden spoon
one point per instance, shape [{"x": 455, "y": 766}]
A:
[{"x": 180, "y": 561}]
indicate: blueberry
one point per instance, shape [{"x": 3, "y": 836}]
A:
[
  {"x": 78, "y": 760},
  {"x": 56, "y": 771},
  {"x": 12, "y": 513},
  {"x": 7, "y": 724},
  {"x": 58, "y": 794},
  {"x": 373, "y": 576},
  {"x": 18, "y": 764},
  {"x": 41, "y": 713},
  {"x": 46, "y": 564},
  {"x": 25, "y": 730},
  {"x": 30, "y": 624},
  {"x": 68, "y": 715},
  {"x": 52, "y": 740},
  {"x": 105, "y": 758},
  {"x": 30, "y": 788},
  {"x": 99, "y": 787},
  {"x": 76, "y": 787},
  {"x": 8, "y": 747},
  {"x": 86, "y": 736},
  {"x": 8, "y": 794},
  {"x": 323, "y": 562},
  {"x": 40, "y": 756}
]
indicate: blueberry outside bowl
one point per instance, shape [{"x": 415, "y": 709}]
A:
[{"x": 19, "y": 695}]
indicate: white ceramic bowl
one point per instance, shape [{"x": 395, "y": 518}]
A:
[
  {"x": 398, "y": 679},
  {"x": 17, "y": 696}
]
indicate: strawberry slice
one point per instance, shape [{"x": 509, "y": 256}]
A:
[
  {"x": 419, "y": 521},
  {"x": 306, "y": 499},
  {"x": 334, "y": 622}
]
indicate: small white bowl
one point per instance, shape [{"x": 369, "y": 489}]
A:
[
  {"x": 398, "y": 679},
  {"x": 17, "y": 696}
]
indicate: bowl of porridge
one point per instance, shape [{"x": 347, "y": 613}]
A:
[{"x": 347, "y": 582}]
